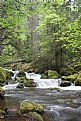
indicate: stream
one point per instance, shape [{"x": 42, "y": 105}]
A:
[{"x": 58, "y": 105}]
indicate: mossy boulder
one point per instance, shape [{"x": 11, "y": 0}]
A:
[
  {"x": 20, "y": 85},
  {"x": 2, "y": 114},
  {"x": 27, "y": 106},
  {"x": 70, "y": 78},
  {"x": 2, "y": 75},
  {"x": 2, "y": 92},
  {"x": 32, "y": 116},
  {"x": 52, "y": 74},
  {"x": 39, "y": 108},
  {"x": 36, "y": 116},
  {"x": 29, "y": 83},
  {"x": 65, "y": 83}
]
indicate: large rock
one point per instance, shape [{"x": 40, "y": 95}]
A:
[
  {"x": 52, "y": 74},
  {"x": 65, "y": 83},
  {"x": 36, "y": 116},
  {"x": 2, "y": 92},
  {"x": 70, "y": 78},
  {"x": 27, "y": 106},
  {"x": 31, "y": 111}
]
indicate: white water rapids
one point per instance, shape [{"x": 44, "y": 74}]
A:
[{"x": 41, "y": 83}]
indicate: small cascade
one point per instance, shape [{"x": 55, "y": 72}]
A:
[
  {"x": 72, "y": 87},
  {"x": 47, "y": 83},
  {"x": 43, "y": 83},
  {"x": 32, "y": 76},
  {"x": 15, "y": 74},
  {"x": 10, "y": 86}
]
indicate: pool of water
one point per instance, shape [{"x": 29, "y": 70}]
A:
[{"x": 58, "y": 106}]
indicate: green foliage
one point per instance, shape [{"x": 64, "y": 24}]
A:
[{"x": 59, "y": 32}]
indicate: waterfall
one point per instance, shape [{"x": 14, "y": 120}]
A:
[
  {"x": 15, "y": 74},
  {"x": 43, "y": 83},
  {"x": 47, "y": 83},
  {"x": 32, "y": 76},
  {"x": 10, "y": 86}
]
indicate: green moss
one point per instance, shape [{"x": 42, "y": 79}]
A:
[
  {"x": 37, "y": 116},
  {"x": 27, "y": 106},
  {"x": 8, "y": 74},
  {"x": 2, "y": 92},
  {"x": 29, "y": 83},
  {"x": 39, "y": 108},
  {"x": 29, "y": 68},
  {"x": 70, "y": 78},
  {"x": 52, "y": 74},
  {"x": 2, "y": 75}
]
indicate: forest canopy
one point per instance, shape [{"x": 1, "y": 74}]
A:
[{"x": 45, "y": 32}]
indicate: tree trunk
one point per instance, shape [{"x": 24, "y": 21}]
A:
[{"x": 34, "y": 33}]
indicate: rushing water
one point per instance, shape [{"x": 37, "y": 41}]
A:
[{"x": 58, "y": 105}]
